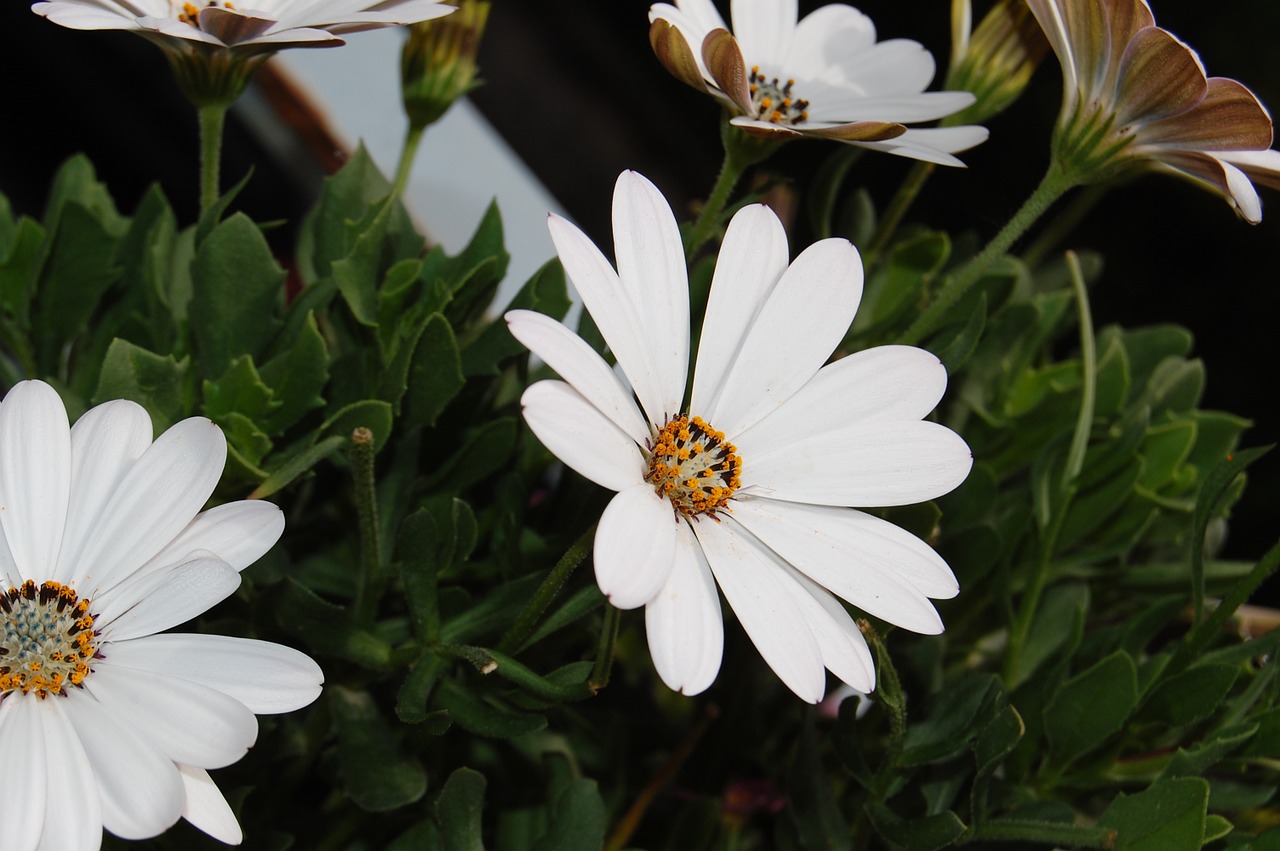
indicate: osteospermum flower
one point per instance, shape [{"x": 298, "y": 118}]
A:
[
  {"x": 746, "y": 485},
  {"x": 824, "y": 76},
  {"x": 103, "y": 721},
  {"x": 214, "y": 45},
  {"x": 1135, "y": 96}
]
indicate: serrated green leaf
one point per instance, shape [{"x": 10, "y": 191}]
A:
[
  {"x": 298, "y": 465},
  {"x": 1191, "y": 695},
  {"x": 484, "y": 451},
  {"x": 1168, "y": 816},
  {"x": 297, "y": 377},
  {"x": 155, "y": 382},
  {"x": 326, "y": 628},
  {"x": 77, "y": 269},
  {"x": 545, "y": 292},
  {"x": 373, "y": 414},
  {"x": 1091, "y": 706},
  {"x": 240, "y": 390},
  {"x": 1196, "y": 760},
  {"x": 435, "y": 376},
  {"x": 238, "y": 290},
  {"x": 377, "y": 773}
]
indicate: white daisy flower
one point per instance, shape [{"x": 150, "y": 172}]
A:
[
  {"x": 746, "y": 485},
  {"x": 824, "y": 75},
  {"x": 103, "y": 721},
  {"x": 254, "y": 27}
]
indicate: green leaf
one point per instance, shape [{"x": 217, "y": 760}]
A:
[
  {"x": 1146, "y": 348},
  {"x": 1055, "y": 630},
  {"x": 474, "y": 274},
  {"x": 813, "y": 802},
  {"x": 545, "y": 292},
  {"x": 911, "y": 265},
  {"x": 326, "y": 628},
  {"x": 459, "y": 809},
  {"x": 999, "y": 736},
  {"x": 156, "y": 382},
  {"x": 1191, "y": 695},
  {"x": 415, "y": 691},
  {"x": 417, "y": 550},
  {"x": 1166, "y": 449},
  {"x": 18, "y": 267},
  {"x": 577, "y": 820},
  {"x": 1168, "y": 816},
  {"x": 486, "y": 718},
  {"x": 297, "y": 376},
  {"x": 298, "y": 465},
  {"x": 924, "y": 834},
  {"x": 954, "y": 345},
  {"x": 484, "y": 451},
  {"x": 1207, "y": 505},
  {"x": 212, "y": 217},
  {"x": 1091, "y": 707},
  {"x": 77, "y": 269},
  {"x": 435, "y": 376},
  {"x": 377, "y": 773},
  {"x": 240, "y": 390},
  {"x": 1196, "y": 760},
  {"x": 950, "y": 726},
  {"x": 239, "y": 288}
]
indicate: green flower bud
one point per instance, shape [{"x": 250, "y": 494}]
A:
[
  {"x": 995, "y": 61},
  {"x": 438, "y": 64}
]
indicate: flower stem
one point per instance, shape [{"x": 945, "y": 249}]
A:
[
  {"x": 361, "y": 453},
  {"x": 213, "y": 117},
  {"x": 547, "y": 591},
  {"x": 604, "y": 650},
  {"x": 741, "y": 151},
  {"x": 407, "y": 155},
  {"x": 1055, "y": 182},
  {"x": 902, "y": 201}
]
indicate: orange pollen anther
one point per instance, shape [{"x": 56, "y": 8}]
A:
[
  {"x": 693, "y": 466},
  {"x": 48, "y": 641},
  {"x": 773, "y": 102}
]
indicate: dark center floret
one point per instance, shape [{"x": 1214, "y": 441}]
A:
[
  {"x": 693, "y": 466},
  {"x": 774, "y": 102},
  {"x": 48, "y": 639}
]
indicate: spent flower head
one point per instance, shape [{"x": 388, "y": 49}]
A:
[
  {"x": 824, "y": 75},
  {"x": 438, "y": 63},
  {"x": 1134, "y": 96},
  {"x": 747, "y": 486},
  {"x": 104, "y": 722},
  {"x": 215, "y": 45}
]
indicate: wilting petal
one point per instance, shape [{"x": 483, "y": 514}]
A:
[
  {"x": 724, "y": 62},
  {"x": 684, "y": 622}
]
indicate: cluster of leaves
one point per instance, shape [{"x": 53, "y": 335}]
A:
[{"x": 1088, "y": 691}]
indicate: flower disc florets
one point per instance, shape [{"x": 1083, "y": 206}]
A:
[
  {"x": 774, "y": 101},
  {"x": 693, "y": 466},
  {"x": 48, "y": 639}
]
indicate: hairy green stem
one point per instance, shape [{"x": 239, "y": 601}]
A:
[
  {"x": 547, "y": 591},
  {"x": 408, "y": 153},
  {"x": 1055, "y": 182},
  {"x": 1089, "y": 377},
  {"x": 213, "y": 117},
  {"x": 730, "y": 172},
  {"x": 369, "y": 590},
  {"x": 897, "y": 209},
  {"x": 604, "y": 649}
]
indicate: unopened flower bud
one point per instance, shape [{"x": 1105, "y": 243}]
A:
[
  {"x": 995, "y": 61},
  {"x": 438, "y": 64}
]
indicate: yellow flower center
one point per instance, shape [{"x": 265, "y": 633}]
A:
[
  {"x": 692, "y": 465},
  {"x": 48, "y": 639},
  {"x": 774, "y": 102}
]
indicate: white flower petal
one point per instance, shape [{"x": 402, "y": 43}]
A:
[
  {"x": 651, "y": 270},
  {"x": 799, "y": 325},
  {"x": 35, "y": 476},
  {"x": 105, "y": 443},
  {"x": 239, "y": 533},
  {"x": 763, "y": 29},
  {"x": 580, "y": 367},
  {"x": 898, "y": 66},
  {"x": 634, "y": 545},
  {"x": 825, "y": 35},
  {"x": 267, "y": 678},
  {"x": 140, "y": 789},
  {"x": 156, "y": 499},
  {"x": 874, "y": 464},
  {"x": 800, "y": 535},
  {"x": 189, "y": 723},
  {"x": 755, "y": 584},
  {"x": 73, "y": 811},
  {"x": 932, "y": 144},
  {"x": 165, "y": 598},
  {"x": 752, "y": 260},
  {"x": 844, "y": 650},
  {"x": 580, "y": 436},
  {"x": 684, "y": 623},
  {"x": 22, "y": 746},
  {"x": 206, "y": 809},
  {"x": 614, "y": 314},
  {"x": 844, "y": 108},
  {"x": 883, "y": 384}
]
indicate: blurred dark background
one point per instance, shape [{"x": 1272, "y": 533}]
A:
[{"x": 574, "y": 88}]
